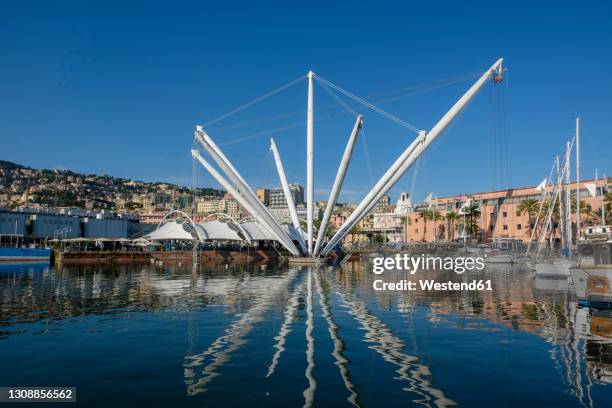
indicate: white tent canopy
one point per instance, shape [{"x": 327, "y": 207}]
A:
[
  {"x": 220, "y": 231},
  {"x": 169, "y": 231},
  {"x": 217, "y": 231}
]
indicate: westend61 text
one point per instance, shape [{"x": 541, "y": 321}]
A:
[{"x": 428, "y": 284}]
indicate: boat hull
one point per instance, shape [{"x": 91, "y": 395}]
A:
[{"x": 24, "y": 254}]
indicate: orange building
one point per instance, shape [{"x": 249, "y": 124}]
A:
[{"x": 499, "y": 216}]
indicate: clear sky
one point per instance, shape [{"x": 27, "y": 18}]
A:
[{"x": 118, "y": 87}]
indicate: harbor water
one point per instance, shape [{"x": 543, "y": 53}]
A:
[{"x": 277, "y": 336}]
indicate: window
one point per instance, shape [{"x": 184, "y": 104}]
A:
[
  {"x": 518, "y": 213},
  {"x": 493, "y": 215},
  {"x": 519, "y": 226},
  {"x": 505, "y": 228},
  {"x": 505, "y": 214},
  {"x": 491, "y": 228}
]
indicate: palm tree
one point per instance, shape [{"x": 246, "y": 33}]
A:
[
  {"x": 406, "y": 221},
  {"x": 424, "y": 214},
  {"x": 435, "y": 216},
  {"x": 529, "y": 206},
  {"x": 608, "y": 207},
  {"x": 472, "y": 213},
  {"x": 451, "y": 218}
]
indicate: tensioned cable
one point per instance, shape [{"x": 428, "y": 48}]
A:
[
  {"x": 318, "y": 118},
  {"x": 368, "y": 105},
  {"x": 338, "y": 99},
  {"x": 397, "y": 94},
  {"x": 289, "y": 114},
  {"x": 352, "y": 112},
  {"x": 254, "y": 101}
]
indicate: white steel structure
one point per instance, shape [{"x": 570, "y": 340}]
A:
[
  {"x": 408, "y": 157},
  {"x": 287, "y": 191},
  {"x": 310, "y": 160},
  {"x": 241, "y": 191},
  {"x": 335, "y": 192}
]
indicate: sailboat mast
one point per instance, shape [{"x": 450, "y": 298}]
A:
[
  {"x": 577, "y": 179},
  {"x": 559, "y": 190},
  {"x": 567, "y": 208}
]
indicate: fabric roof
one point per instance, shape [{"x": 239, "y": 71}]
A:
[
  {"x": 219, "y": 231},
  {"x": 168, "y": 231}
]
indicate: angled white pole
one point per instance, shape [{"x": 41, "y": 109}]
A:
[
  {"x": 309, "y": 161},
  {"x": 288, "y": 197},
  {"x": 200, "y": 131},
  {"x": 232, "y": 190},
  {"x": 577, "y": 179},
  {"x": 335, "y": 192},
  {"x": 244, "y": 189},
  {"x": 407, "y": 158}
]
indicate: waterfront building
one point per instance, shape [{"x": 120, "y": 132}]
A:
[
  {"x": 499, "y": 215},
  {"x": 48, "y": 226},
  {"x": 384, "y": 202},
  {"x": 152, "y": 217},
  {"x": 12, "y": 224},
  {"x": 208, "y": 206},
  {"x": 389, "y": 221},
  {"x": 277, "y": 196},
  {"x": 230, "y": 206}
]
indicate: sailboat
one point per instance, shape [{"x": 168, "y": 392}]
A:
[{"x": 555, "y": 266}]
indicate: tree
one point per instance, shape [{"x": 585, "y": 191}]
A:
[
  {"x": 424, "y": 214},
  {"x": 406, "y": 222},
  {"x": 451, "y": 219},
  {"x": 529, "y": 206},
  {"x": 470, "y": 225},
  {"x": 435, "y": 216}
]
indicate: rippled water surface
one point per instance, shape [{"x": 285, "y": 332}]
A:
[{"x": 273, "y": 335}]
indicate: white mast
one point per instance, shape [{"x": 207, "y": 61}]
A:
[
  {"x": 335, "y": 192},
  {"x": 561, "y": 204},
  {"x": 408, "y": 157},
  {"x": 577, "y": 179},
  {"x": 601, "y": 193},
  {"x": 288, "y": 197},
  {"x": 568, "y": 205},
  {"x": 309, "y": 160}
]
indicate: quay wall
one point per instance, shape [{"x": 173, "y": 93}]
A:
[{"x": 186, "y": 256}]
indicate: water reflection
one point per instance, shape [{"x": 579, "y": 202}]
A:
[{"x": 329, "y": 306}]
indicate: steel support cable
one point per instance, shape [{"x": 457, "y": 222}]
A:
[
  {"x": 368, "y": 105},
  {"x": 338, "y": 99},
  {"x": 352, "y": 112},
  {"x": 401, "y": 93},
  {"x": 254, "y": 101},
  {"x": 325, "y": 107}
]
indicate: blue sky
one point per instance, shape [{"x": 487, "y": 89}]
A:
[{"x": 118, "y": 87}]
